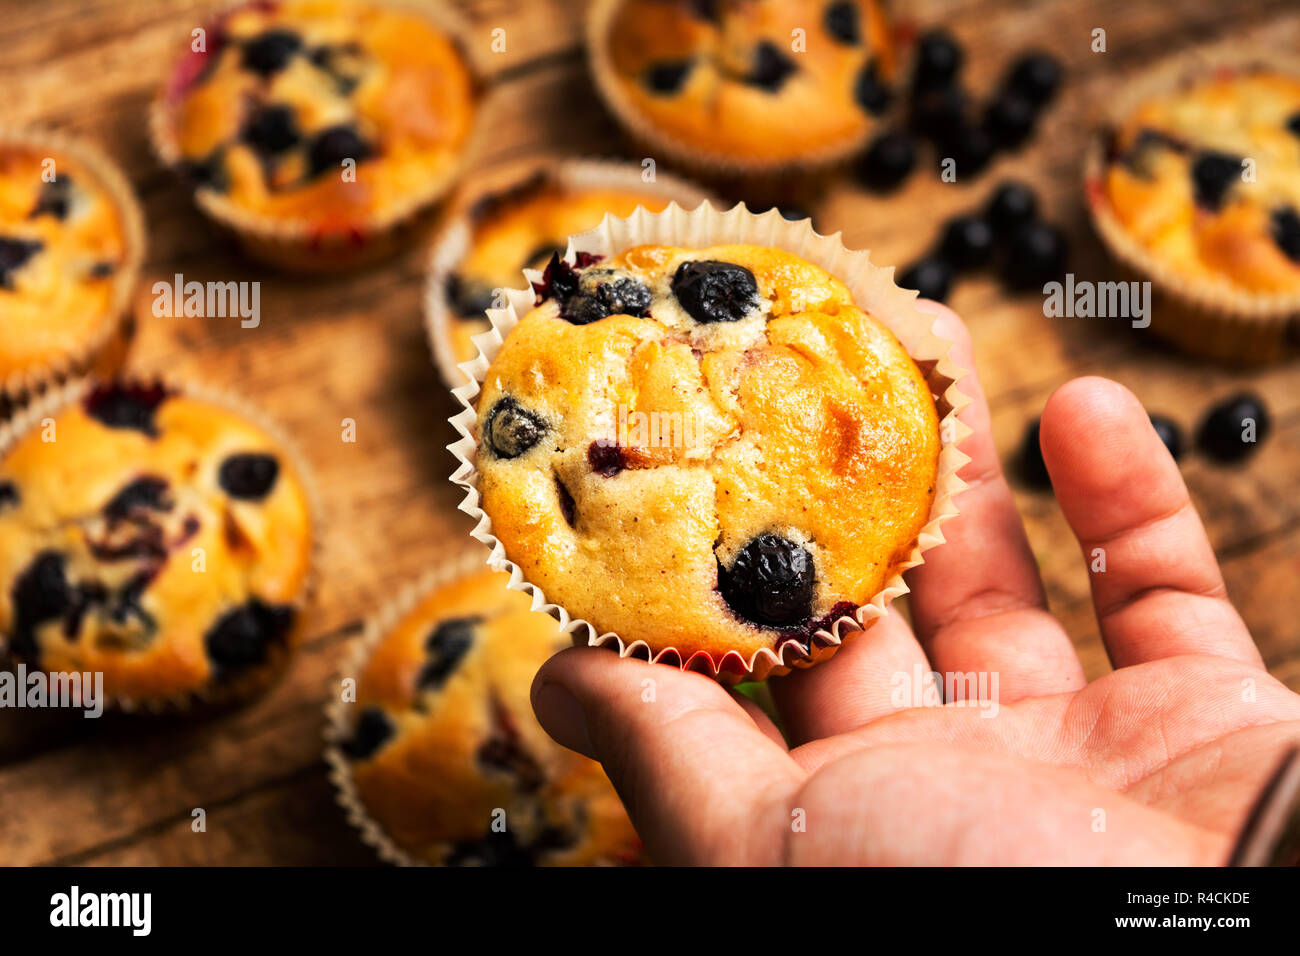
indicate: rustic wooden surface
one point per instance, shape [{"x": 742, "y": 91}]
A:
[{"x": 122, "y": 790}]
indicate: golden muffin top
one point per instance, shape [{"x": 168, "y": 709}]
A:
[
  {"x": 446, "y": 754},
  {"x": 1207, "y": 179},
  {"x": 710, "y": 449},
  {"x": 776, "y": 81},
  {"x": 65, "y": 245},
  {"x": 285, "y": 94},
  {"x": 158, "y": 538}
]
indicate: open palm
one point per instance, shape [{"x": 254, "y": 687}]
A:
[{"x": 1157, "y": 762}]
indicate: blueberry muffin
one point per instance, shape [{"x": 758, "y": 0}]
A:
[
  {"x": 71, "y": 240},
  {"x": 497, "y": 233},
  {"x": 711, "y": 450},
  {"x": 441, "y": 750},
  {"x": 740, "y": 84},
  {"x": 320, "y": 121},
  {"x": 154, "y": 536},
  {"x": 1197, "y": 186}
]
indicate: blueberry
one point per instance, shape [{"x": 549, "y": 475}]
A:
[
  {"x": 793, "y": 213},
  {"x": 333, "y": 145},
  {"x": 888, "y": 160},
  {"x": 9, "y": 497},
  {"x": 931, "y": 277},
  {"x": 249, "y": 476},
  {"x": 770, "y": 582},
  {"x": 1286, "y": 232},
  {"x": 1029, "y": 460},
  {"x": 1170, "y": 434},
  {"x": 971, "y": 146},
  {"x": 334, "y": 60},
  {"x": 1035, "y": 76},
  {"x": 560, "y": 280},
  {"x": 373, "y": 730},
  {"x": 1293, "y": 124},
  {"x": 668, "y": 76},
  {"x": 1212, "y": 175},
  {"x": 544, "y": 254},
  {"x": 1036, "y": 255},
  {"x": 1234, "y": 428},
  {"x": 271, "y": 130},
  {"x": 1009, "y": 119},
  {"x": 511, "y": 430},
  {"x": 469, "y": 298},
  {"x": 712, "y": 291},
  {"x": 446, "y": 645},
  {"x": 605, "y": 458},
  {"x": 841, "y": 20},
  {"x": 209, "y": 172},
  {"x": 600, "y": 299},
  {"x": 936, "y": 112},
  {"x": 870, "y": 91},
  {"x": 243, "y": 636},
  {"x": 1011, "y": 205},
  {"x": 967, "y": 242},
  {"x": 771, "y": 68},
  {"x": 270, "y": 52},
  {"x": 55, "y": 199},
  {"x": 39, "y": 594},
  {"x": 14, "y": 254},
  {"x": 147, "y": 493},
  {"x": 938, "y": 60},
  {"x": 126, "y": 406}
]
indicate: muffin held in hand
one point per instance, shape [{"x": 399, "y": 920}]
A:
[
  {"x": 71, "y": 241},
  {"x": 155, "y": 536},
  {"x": 314, "y": 127},
  {"x": 735, "y": 84},
  {"x": 440, "y": 758},
  {"x": 711, "y": 450}
]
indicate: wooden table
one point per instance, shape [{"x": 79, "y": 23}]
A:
[{"x": 123, "y": 790}]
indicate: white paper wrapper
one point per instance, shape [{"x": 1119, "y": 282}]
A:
[{"x": 873, "y": 290}]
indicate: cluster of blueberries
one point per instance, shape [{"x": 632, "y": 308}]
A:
[{"x": 1221, "y": 436}]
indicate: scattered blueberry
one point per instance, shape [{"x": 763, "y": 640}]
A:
[
  {"x": 446, "y": 645},
  {"x": 8, "y": 495},
  {"x": 1286, "y": 232},
  {"x": 511, "y": 430},
  {"x": 55, "y": 199},
  {"x": 543, "y": 254},
  {"x": 598, "y": 299},
  {"x": 770, "y": 582},
  {"x": 772, "y": 67},
  {"x": 469, "y": 298},
  {"x": 333, "y": 145},
  {"x": 270, "y": 52},
  {"x": 373, "y": 730},
  {"x": 1030, "y": 462},
  {"x": 1036, "y": 254},
  {"x": 1009, "y": 119},
  {"x": 1212, "y": 175},
  {"x": 147, "y": 493},
  {"x": 560, "y": 280},
  {"x": 931, "y": 277},
  {"x": 209, "y": 172},
  {"x": 249, "y": 476},
  {"x": 1170, "y": 434},
  {"x": 1293, "y": 124},
  {"x": 39, "y": 594},
  {"x": 242, "y": 637},
  {"x": 1234, "y": 428},
  {"x": 271, "y": 130},
  {"x": 126, "y": 406},
  {"x": 14, "y": 254},
  {"x": 712, "y": 291},
  {"x": 1011, "y": 205},
  {"x": 605, "y": 458},
  {"x": 870, "y": 91},
  {"x": 888, "y": 160},
  {"x": 967, "y": 242},
  {"x": 938, "y": 60},
  {"x": 841, "y": 21},
  {"x": 1035, "y": 76},
  {"x": 936, "y": 112},
  {"x": 971, "y": 146},
  {"x": 668, "y": 76}
]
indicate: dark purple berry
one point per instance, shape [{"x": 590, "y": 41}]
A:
[
  {"x": 373, "y": 730},
  {"x": 931, "y": 277},
  {"x": 469, "y": 298},
  {"x": 1036, "y": 255},
  {"x": 9, "y": 497},
  {"x": 249, "y": 477},
  {"x": 599, "y": 299},
  {"x": 1035, "y": 76},
  {"x": 1212, "y": 176},
  {"x": 271, "y": 130},
  {"x": 967, "y": 242},
  {"x": 971, "y": 146},
  {"x": 888, "y": 160},
  {"x": 543, "y": 254},
  {"x": 1171, "y": 436},
  {"x": 1234, "y": 428},
  {"x": 270, "y": 52},
  {"x": 1009, "y": 119},
  {"x": 772, "y": 67},
  {"x": 1286, "y": 232},
  {"x": 668, "y": 76},
  {"x": 332, "y": 146},
  {"x": 55, "y": 199},
  {"x": 870, "y": 91},
  {"x": 841, "y": 21},
  {"x": 41, "y": 593},
  {"x": 560, "y": 280},
  {"x": 1293, "y": 124},
  {"x": 511, "y": 430},
  {"x": 209, "y": 172},
  {"x": 14, "y": 254},
  {"x": 938, "y": 60},
  {"x": 1011, "y": 205},
  {"x": 243, "y": 636},
  {"x": 793, "y": 213},
  {"x": 148, "y": 493},
  {"x": 770, "y": 582},
  {"x": 126, "y": 406},
  {"x": 446, "y": 645},
  {"x": 605, "y": 458},
  {"x": 936, "y": 112},
  {"x": 713, "y": 291},
  {"x": 1029, "y": 460}
]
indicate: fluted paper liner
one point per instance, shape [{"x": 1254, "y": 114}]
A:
[
  {"x": 214, "y": 696},
  {"x": 108, "y": 178},
  {"x": 1205, "y": 317},
  {"x": 452, "y": 243},
  {"x": 873, "y": 291}
]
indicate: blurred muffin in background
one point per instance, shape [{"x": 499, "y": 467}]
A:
[
  {"x": 316, "y": 128},
  {"x": 440, "y": 760},
  {"x": 518, "y": 217},
  {"x": 71, "y": 242}
]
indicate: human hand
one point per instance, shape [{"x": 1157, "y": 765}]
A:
[{"x": 1158, "y": 762}]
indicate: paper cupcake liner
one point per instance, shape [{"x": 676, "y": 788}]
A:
[
  {"x": 299, "y": 245},
  {"x": 793, "y": 180},
  {"x": 453, "y": 240},
  {"x": 105, "y": 350},
  {"x": 213, "y": 697},
  {"x": 873, "y": 290},
  {"x": 337, "y": 728},
  {"x": 1204, "y": 318}
]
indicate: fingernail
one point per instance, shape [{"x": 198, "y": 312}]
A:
[{"x": 562, "y": 717}]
